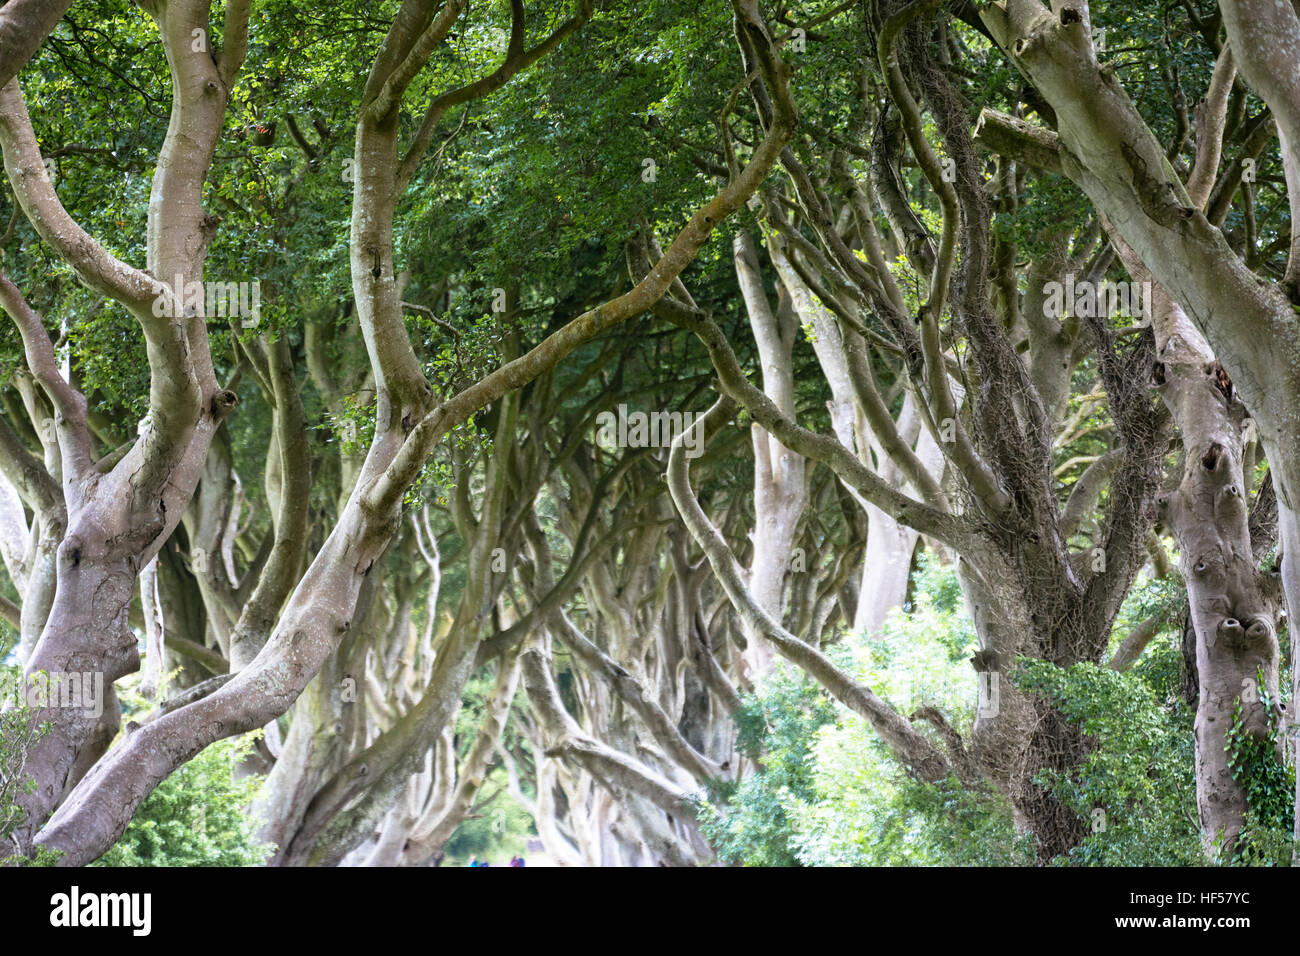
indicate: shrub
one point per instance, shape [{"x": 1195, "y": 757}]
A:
[{"x": 196, "y": 817}]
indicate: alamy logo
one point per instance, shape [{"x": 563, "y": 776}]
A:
[
  {"x": 39, "y": 690},
  {"x": 1096, "y": 300},
  {"x": 74, "y": 909},
  {"x": 626, "y": 429},
  {"x": 242, "y": 300}
]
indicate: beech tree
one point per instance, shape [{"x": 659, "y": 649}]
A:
[
  {"x": 118, "y": 516},
  {"x": 1113, "y": 156},
  {"x": 559, "y": 406}
]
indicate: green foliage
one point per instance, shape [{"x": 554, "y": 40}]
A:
[
  {"x": 936, "y": 594},
  {"x": 866, "y": 811},
  {"x": 750, "y": 822},
  {"x": 196, "y": 817},
  {"x": 19, "y": 731},
  {"x": 829, "y": 793},
  {"x": 1149, "y": 596},
  {"x": 537, "y": 187},
  {"x": 1136, "y": 787},
  {"x": 496, "y": 830},
  {"x": 1266, "y": 836}
]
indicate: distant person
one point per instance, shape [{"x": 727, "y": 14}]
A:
[
  {"x": 473, "y": 860},
  {"x": 516, "y": 861}
]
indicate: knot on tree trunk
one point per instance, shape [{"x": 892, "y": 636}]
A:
[
  {"x": 1220, "y": 379},
  {"x": 1258, "y": 632},
  {"x": 1230, "y": 632},
  {"x": 1244, "y": 634},
  {"x": 223, "y": 403},
  {"x": 1229, "y": 502},
  {"x": 72, "y": 550}
]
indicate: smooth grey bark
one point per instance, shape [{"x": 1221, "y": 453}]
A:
[
  {"x": 1031, "y": 593},
  {"x": 887, "y": 562},
  {"x": 1109, "y": 151},
  {"x": 428, "y": 834},
  {"x": 380, "y": 770},
  {"x": 13, "y": 533},
  {"x": 912, "y": 747},
  {"x": 24, "y": 25},
  {"x": 118, "y": 520},
  {"x": 409, "y": 424},
  {"x": 1234, "y": 607},
  {"x": 155, "y": 626},
  {"x": 780, "y": 491},
  {"x": 615, "y": 771}
]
